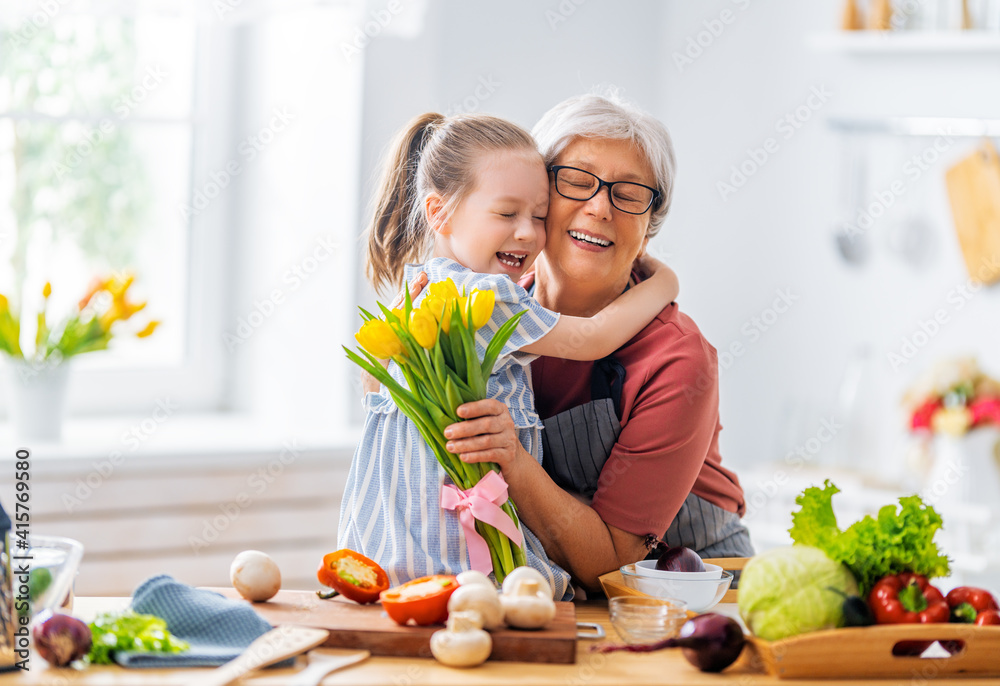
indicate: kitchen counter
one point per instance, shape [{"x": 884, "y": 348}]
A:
[{"x": 633, "y": 669}]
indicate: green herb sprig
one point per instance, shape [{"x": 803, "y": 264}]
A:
[{"x": 133, "y": 632}]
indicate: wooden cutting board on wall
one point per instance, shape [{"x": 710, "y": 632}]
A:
[
  {"x": 368, "y": 627},
  {"x": 974, "y": 191}
]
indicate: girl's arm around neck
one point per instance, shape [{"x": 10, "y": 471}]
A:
[{"x": 593, "y": 338}]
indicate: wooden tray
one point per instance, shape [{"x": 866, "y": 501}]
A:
[
  {"x": 368, "y": 627},
  {"x": 868, "y": 653}
]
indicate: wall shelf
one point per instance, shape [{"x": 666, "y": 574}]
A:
[
  {"x": 905, "y": 42},
  {"x": 917, "y": 126}
]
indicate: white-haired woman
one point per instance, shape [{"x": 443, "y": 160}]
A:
[{"x": 631, "y": 450}]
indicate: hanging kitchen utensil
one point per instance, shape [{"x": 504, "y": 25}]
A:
[
  {"x": 911, "y": 238},
  {"x": 974, "y": 191},
  {"x": 852, "y": 240}
]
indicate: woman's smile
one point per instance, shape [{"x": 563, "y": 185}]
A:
[{"x": 588, "y": 240}]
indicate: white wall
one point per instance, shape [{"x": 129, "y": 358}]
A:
[{"x": 775, "y": 233}]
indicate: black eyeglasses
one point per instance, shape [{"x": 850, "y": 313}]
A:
[{"x": 578, "y": 184}]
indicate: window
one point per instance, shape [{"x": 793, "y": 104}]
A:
[{"x": 117, "y": 124}]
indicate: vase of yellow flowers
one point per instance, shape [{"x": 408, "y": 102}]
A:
[{"x": 38, "y": 369}]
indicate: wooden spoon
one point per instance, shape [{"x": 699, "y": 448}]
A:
[{"x": 276, "y": 645}]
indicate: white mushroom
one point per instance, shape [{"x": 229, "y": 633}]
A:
[
  {"x": 527, "y": 606},
  {"x": 525, "y": 572},
  {"x": 476, "y": 597},
  {"x": 463, "y": 643},
  {"x": 255, "y": 575},
  {"x": 474, "y": 576}
]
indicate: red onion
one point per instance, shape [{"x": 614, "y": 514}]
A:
[
  {"x": 711, "y": 642},
  {"x": 60, "y": 639},
  {"x": 680, "y": 559}
]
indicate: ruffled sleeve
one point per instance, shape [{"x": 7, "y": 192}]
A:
[{"x": 511, "y": 299}]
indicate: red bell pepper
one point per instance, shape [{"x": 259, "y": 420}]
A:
[
  {"x": 967, "y": 603},
  {"x": 988, "y": 618},
  {"x": 423, "y": 600},
  {"x": 353, "y": 575},
  {"x": 907, "y": 598}
]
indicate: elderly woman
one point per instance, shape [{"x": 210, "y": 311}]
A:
[{"x": 631, "y": 442}]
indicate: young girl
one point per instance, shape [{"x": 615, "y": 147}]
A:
[{"x": 473, "y": 191}]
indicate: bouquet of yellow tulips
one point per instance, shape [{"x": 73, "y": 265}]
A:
[
  {"x": 87, "y": 328},
  {"x": 434, "y": 347}
]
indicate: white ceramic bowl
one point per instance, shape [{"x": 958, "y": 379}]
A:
[
  {"x": 699, "y": 594},
  {"x": 648, "y": 568}
]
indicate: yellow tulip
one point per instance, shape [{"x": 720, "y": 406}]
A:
[
  {"x": 47, "y": 290},
  {"x": 447, "y": 290},
  {"x": 423, "y": 327},
  {"x": 398, "y": 311},
  {"x": 378, "y": 338},
  {"x": 461, "y": 304},
  {"x": 482, "y": 307},
  {"x": 120, "y": 310},
  {"x": 148, "y": 330},
  {"x": 4, "y": 304},
  {"x": 117, "y": 287},
  {"x": 952, "y": 420}
]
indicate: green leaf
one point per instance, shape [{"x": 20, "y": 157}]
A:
[
  {"x": 497, "y": 343},
  {"x": 815, "y": 523},
  {"x": 407, "y": 301},
  {"x": 474, "y": 380},
  {"x": 454, "y": 397},
  {"x": 389, "y": 316}
]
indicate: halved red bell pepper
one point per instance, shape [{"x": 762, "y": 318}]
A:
[
  {"x": 907, "y": 598},
  {"x": 423, "y": 600},
  {"x": 967, "y": 603},
  {"x": 353, "y": 575}
]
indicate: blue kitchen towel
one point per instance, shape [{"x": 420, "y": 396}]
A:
[{"x": 217, "y": 628}]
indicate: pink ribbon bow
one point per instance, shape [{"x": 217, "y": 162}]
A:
[{"x": 481, "y": 502}]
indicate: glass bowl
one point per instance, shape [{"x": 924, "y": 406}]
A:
[
  {"x": 640, "y": 619},
  {"x": 55, "y": 563},
  {"x": 698, "y": 594}
]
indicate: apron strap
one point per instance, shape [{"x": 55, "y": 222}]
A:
[{"x": 606, "y": 380}]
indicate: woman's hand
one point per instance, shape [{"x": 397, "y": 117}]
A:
[
  {"x": 369, "y": 384},
  {"x": 487, "y": 435}
]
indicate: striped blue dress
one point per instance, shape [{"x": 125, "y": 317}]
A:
[{"x": 391, "y": 510}]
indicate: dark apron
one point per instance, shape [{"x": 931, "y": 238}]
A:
[{"x": 576, "y": 444}]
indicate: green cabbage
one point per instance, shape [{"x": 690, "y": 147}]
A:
[{"x": 789, "y": 591}]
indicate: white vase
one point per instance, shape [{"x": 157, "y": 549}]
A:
[
  {"x": 966, "y": 469},
  {"x": 37, "y": 396}
]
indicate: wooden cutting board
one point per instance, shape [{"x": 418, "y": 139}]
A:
[
  {"x": 368, "y": 627},
  {"x": 974, "y": 191}
]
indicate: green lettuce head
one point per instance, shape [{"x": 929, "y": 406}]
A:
[{"x": 789, "y": 591}]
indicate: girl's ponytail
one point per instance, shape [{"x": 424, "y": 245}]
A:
[{"x": 397, "y": 234}]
